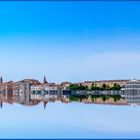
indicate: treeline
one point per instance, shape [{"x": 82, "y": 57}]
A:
[
  {"x": 106, "y": 97},
  {"x": 94, "y": 87},
  {"x": 94, "y": 97}
]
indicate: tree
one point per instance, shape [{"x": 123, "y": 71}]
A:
[
  {"x": 73, "y": 87},
  {"x": 92, "y": 87},
  {"x": 103, "y": 98},
  {"x": 107, "y": 87},
  {"x": 116, "y": 87},
  {"x": 103, "y": 86},
  {"x": 116, "y": 98},
  {"x": 95, "y": 87},
  {"x": 77, "y": 87}
]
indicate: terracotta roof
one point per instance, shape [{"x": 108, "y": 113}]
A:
[{"x": 111, "y": 81}]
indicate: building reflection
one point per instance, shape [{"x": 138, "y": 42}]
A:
[
  {"x": 30, "y": 99},
  {"x": 1, "y": 104}
]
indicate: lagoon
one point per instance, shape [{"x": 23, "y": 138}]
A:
[{"x": 69, "y": 120}]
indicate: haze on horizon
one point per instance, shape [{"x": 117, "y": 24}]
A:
[{"x": 69, "y": 41}]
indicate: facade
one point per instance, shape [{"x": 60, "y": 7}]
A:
[
  {"x": 88, "y": 83},
  {"x": 37, "y": 88},
  {"x": 12, "y": 90},
  {"x": 101, "y": 82},
  {"x": 132, "y": 91},
  {"x": 111, "y": 82},
  {"x": 47, "y": 88},
  {"x": 8, "y": 87},
  {"x": 66, "y": 85}
]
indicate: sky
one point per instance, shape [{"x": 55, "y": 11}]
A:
[{"x": 69, "y": 41}]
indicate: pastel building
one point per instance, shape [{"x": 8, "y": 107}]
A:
[
  {"x": 65, "y": 84},
  {"x": 111, "y": 82}
]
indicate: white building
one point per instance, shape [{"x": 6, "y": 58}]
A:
[
  {"x": 47, "y": 88},
  {"x": 132, "y": 91}
]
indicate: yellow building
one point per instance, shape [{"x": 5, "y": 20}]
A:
[
  {"x": 111, "y": 82},
  {"x": 107, "y": 82}
]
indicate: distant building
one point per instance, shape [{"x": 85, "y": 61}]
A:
[
  {"x": 132, "y": 91},
  {"x": 66, "y": 84},
  {"x": 37, "y": 88},
  {"x": 50, "y": 88},
  {"x": 30, "y": 81},
  {"x": 16, "y": 87},
  {"x": 46, "y": 88},
  {"x": 111, "y": 82},
  {"x": 101, "y": 82},
  {"x": 87, "y": 83},
  {"x": 8, "y": 87}
]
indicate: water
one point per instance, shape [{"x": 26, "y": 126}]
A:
[{"x": 69, "y": 120}]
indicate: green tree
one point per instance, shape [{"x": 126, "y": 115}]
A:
[
  {"x": 73, "y": 87},
  {"x": 95, "y": 87},
  {"x": 116, "y": 87},
  {"x": 77, "y": 87},
  {"x": 116, "y": 98},
  {"x": 107, "y": 87},
  {"x": 103, "y": 98},
  {"x": 103, "y": 87}
]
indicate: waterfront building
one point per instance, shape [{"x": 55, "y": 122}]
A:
[
  {"x": 46, "y": 88},
  {"x": 111, "y": 82},
  {"x": 132, "y": 91},
  {"x": 16, "y": 88},
  {"x": 37, "y": 88},
  {"x": 30, "y": 81},
  {"x": 99, "y": 83},
  {"x": 24, "y": 91},
  {"x": 87, "y": 83},
  {"x": 2, "y": 87},
  {"x": 66, "y": 84},
  {"x": 24, "y": 87},
  {"x": 50, "y": 88},
  {"x": 8, "y": 87}
]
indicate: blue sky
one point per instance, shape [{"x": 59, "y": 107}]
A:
[{"x": 73, "y": 41}]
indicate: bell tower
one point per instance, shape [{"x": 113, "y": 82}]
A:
[
  {"x": 1, "y": 80},
  {"x": 44, "y": 80}
]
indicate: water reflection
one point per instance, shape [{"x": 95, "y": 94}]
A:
[
  {"x": 75, "y": 119},
  {"x": 31, "y": 99}
]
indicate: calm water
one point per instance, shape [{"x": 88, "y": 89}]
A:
[{"x": 72, "y": 120}]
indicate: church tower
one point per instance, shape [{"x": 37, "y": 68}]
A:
[
  {"x": 1, "y": 80},
  {"x": 44, "y": 80}
]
